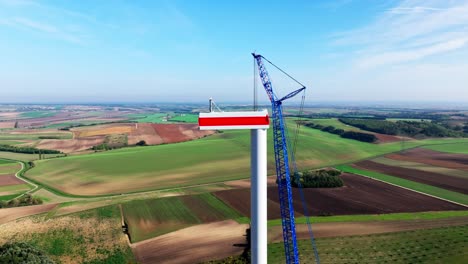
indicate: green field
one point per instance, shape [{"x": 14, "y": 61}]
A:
[
  {"x": 186, "y": 118},
  {"x": 432, "y": 190},
  {"x": 34, "y": 136},
  {"x": 8, "y": 192},
  {"x": 2, "y": 161},
  {"x": 151, "y": 118},
  {"x": 422, "y": 167},
  {"x": 221, "y": 157},
  {"x": 10, "y": 142},
  {"x": 37, "y": 114},
  {"x": 451, "y": 148},
  {"x": 438, "y": 245},
  {"x": 77, "y": 123},
  {"x": 25, "y": 157},
  {"x": 154, "y": 217},
  {"x": 9, "y": 167},
  {"x": 369, "y": 218},
  {"x": 9, "y": 196},
  {"x": 13, "y": 189}
]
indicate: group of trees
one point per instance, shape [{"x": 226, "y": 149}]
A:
[
  {"x": 323, "y": 178},
  {"x": 403, "y": 128},
  {"x": 364, "y": 137},
  {"x": 20, "y": 252},
  {"x": 24, "y": 200},
  {"x": 465, "y": 128},
  {"x": 106, "y": 146},
  {"x": 27, "y": 150}
]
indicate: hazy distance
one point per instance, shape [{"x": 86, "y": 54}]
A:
[{"x": 176, "y": 51}]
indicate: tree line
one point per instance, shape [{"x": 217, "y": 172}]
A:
[
  {"x": 364, "y": 137},
  {"x": 403, "y": 128},
  {"x": 27, "y": 150}
]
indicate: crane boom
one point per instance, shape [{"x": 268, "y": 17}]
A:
[{"x": 282, "y": 164}]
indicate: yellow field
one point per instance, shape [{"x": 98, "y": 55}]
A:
[{"x": 105, "y": 131}]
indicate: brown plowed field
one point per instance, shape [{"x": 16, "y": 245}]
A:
[
  {"x": 275, "y": 233},
  {"x": 146, "y": 132},
  {"x": 9, "y": 214},
  {"x": 383, "y": 138},
  {"x": 448, "y": 182},
  {"x": 9, "y": 115},
  {"x": 193, "y": 244},
  {"x": 7, "y": 124},
  {"x": 89, "y": 136},
  {"x": 6, "y": 180},
  {"x": 431, "y": 157},
  {"x": 360, "y": 195},
  {"x": 70, "y": 145},
  {"x": 172, "y": 133}
]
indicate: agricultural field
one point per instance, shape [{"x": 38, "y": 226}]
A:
[
  {"x": 334, "y": 122},
  {"x": 219, "y": 240},
  {"x": 435, "y": 158},
  {"x": 360, "y": 195},
  {"x": 155, "y": 217},
  {"x": 438, "y": 173},
  {"x": 11, "y": 142},
  {"x": 37, "y": 114},
  {"x": 185, "y": 118},
  {"x": 337, "y": 124},
  {"x": 445, "y": 181},
  {"x": 195, "y": 162},
  {"x": 152, "y": 118},
  {"x": 170, "y": 193},
  {"x": 450, "y": 148},
  {"x": 34, "y": 134},
  {"x": 436, "y": 245},
  {"x": 26, "y": 157},
  {"x": 10, "y": 186}
]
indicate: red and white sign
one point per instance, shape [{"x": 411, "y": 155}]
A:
[{"x": 234, "y": 120}]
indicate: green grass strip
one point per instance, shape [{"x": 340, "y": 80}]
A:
[
  {"x": 379, "y": 217},
  {"x": 2, "y": 161},
  {"x": 416, "y": 186},
  {"x": 9, "y": 197},
  {"x": 461, "y": 148}
]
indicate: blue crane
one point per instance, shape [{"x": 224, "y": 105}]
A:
[{"x": 282, "y": 160}]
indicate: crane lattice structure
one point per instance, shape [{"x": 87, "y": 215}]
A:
[{"x": 283, "y": 168}]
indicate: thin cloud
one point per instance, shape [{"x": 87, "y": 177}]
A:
[
  {"x": 34, "y": 25},
  {"x": 43, "y": 28},
  {"x": 416, "y": 9},
  {"x": 411, "y": 55},
  {"x": 410, "y": 31}
]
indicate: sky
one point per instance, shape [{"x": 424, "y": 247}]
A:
[{"x": 188, "y": 51}]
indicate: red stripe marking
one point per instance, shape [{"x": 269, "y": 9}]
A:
[{"x": 233, "y": 121}]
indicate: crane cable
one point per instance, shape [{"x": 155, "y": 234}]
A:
[
  {"x": 297, "y": 178},
  {"x": 293, "y": 161},
  {"x": 255, "y": 94}
]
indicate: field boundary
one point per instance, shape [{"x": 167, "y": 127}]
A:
[
  {"x": 410, "y": 216},
  {"x": 18, "y": 175},
  {"x": 406, "y": 188}
]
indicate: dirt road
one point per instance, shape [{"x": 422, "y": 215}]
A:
[{"x": 193, "y": 244}]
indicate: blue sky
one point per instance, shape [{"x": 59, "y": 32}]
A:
[{"x": 344, "y": 50}]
